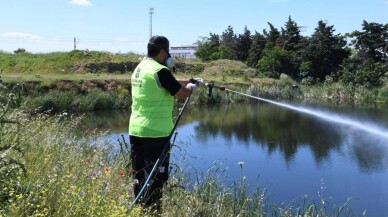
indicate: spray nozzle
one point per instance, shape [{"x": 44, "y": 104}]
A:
[
  {"x": 211, "y": 86},
  {"x": 210, "y": 89}
]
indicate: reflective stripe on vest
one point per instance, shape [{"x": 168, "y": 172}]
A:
[{"x": 151, "y": 104}]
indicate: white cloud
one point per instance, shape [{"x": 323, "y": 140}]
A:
[
  {"x": 122, "y": 39},
  {"x": 21, "y": 35},
  {"x": 386, "y": 2},
  {"x": 81, "y": 2},
  {"x": 55, "y": 41}
]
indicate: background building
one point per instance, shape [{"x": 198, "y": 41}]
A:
[{"x": 186, "y": 52}]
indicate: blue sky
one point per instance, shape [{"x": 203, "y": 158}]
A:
[{"x": 123, "y": 25}]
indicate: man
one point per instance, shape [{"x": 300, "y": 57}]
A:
[{"x": 150, "y": 125}]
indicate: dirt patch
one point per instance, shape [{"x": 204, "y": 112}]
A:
[
  {"x": 105, "y": 85},
  {"x": 110, "y": 67},
  {"x": 42, "y": 87}
]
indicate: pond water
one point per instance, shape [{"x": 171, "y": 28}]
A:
[{"x": 290, "y": 154}]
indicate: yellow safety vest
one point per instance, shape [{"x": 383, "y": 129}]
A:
[{"x": 152, "y": 104}]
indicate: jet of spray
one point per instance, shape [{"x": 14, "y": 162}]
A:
[{"x": 326, "y": 116}]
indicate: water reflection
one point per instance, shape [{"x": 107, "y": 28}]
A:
[
  {"x": 371, "y": 154},
  {"x": 283, "y": 130},
  {"x": 115, "y": 121}
]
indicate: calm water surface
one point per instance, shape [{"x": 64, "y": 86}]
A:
[{"x": 287, "y": 153}]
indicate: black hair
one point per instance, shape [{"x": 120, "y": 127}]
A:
[{"x": 157, "y": 43}]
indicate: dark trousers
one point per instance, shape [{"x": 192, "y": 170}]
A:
[{"x": 144, "y": 153}]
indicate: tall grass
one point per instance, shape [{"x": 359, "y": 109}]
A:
[
  {"x": 209, "y": 197},
  {"x": 95, "y": 99},
  {"x": 63, "y": 174}
]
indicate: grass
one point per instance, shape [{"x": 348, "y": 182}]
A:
[
  {"x": 76, "y": 61},
  {"x": 51, "y": 77}
]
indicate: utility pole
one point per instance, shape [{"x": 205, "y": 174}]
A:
[
  {"x": 75, "y": 43},
  {"x": 151, "y": 12}
]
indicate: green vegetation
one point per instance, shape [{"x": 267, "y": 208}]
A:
[
  {"x": 76, "y": 61},
  {"x": 79, "y": 92},
  {"x": 323, "y": 56},
  {"x": 47, "y": 169},
  {"x": 95, "y": 99}
]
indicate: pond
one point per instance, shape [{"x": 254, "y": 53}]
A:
[{"x": 332, "y": 152}]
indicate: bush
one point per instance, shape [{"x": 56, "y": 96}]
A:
[
  {"x": 53, "y": 102},
  {"x": 366, "y": 75},
  {"x": 56, "y": 101},
  {"x": 19, "y": 50},
  {"x": 383, "y": 94}
]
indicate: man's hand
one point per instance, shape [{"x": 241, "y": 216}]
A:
[
  {"x": 199, "y": 80},
  {"x": 192, "y": 86}
]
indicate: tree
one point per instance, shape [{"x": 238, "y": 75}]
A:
[
  {"x": 203, "y": 50},
  {"x": 208, "y": 47},
  {"x": 229, "y": 40},
  {"x": 290, "y": 40},
  {"x": 370, "y": 62},
  {"x": 214, "y": 41},
  {"x": 324, "y": 53},
  {"x": 222, "y": 52},
  {"x": 290, "y": 36},
  {"x": 273, "y": 34},
  {"x": 274, "y": 61},
  {"x": 367, "y": 75},
  {"x": 371, "y": 43},
  {"x": 244, "y": 42},
  {"x": 257, "y": 47}
]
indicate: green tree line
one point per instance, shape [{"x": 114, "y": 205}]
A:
[{"x": 356, "y": 58}]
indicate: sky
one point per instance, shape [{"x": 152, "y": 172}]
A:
[{"x": 122, "y": 26}]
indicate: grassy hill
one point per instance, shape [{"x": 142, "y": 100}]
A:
[{"x": 93, "y": 65}]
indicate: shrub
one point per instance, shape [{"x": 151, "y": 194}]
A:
[
  {"x": 366, "y": 75},
  {"x": 383, "y": 94},
  {"x": 19, "y": 50},
  {"x": 53, "y": 102}
]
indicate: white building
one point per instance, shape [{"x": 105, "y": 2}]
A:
[{"x": 186, "y": 52}]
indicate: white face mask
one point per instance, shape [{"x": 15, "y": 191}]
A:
[{"x": 169, "y": 62}]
